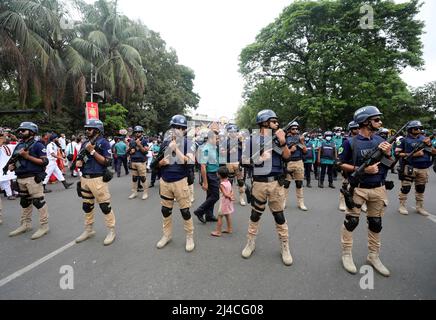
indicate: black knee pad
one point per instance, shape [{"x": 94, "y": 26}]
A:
[
  {"x": 405, "y": 189},
  {"x": 420, "y": 188},
  {"x": 25, "y": 202},
  {"x": 255, "y": 216},
  {"x": 38, "y": 202},
  {"x": 87, "y": 207},
  {"x": 142, "y": 178},
  {"x": 185, "y": 214},
  {"x": 241, "y": 182},
  {"x": 279, "y": 217},
  {"x": 135, "y": 178},
  {"x": 105, "y": 207},
  {"x": 351, "y": 222},
  {"x": 287, "y": 184},
  {"x": 375, "y": 224},
  {"x": 299, "y": 184},
  {"x": 166, "y": 212}
]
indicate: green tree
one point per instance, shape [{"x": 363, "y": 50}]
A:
[
  {"x": 113, "y": 117},
  {"x": 318, "y": 50}
]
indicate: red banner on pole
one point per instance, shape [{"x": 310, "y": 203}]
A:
[{"x": 91, "y": 111}]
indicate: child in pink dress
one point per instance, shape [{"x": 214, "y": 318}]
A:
[{"x": 226, "y": 202}]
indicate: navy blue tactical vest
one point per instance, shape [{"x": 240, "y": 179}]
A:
[
  {"x": 423, "y": 162},
  {"x": 138, "y": 156},
  {"x": 298, "y": 154}
]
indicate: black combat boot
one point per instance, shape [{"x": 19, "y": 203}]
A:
[{"x": 66, "y": 184}]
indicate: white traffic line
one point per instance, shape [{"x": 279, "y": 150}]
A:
[
  {"x": 432, "y": 218},
  {"x": 35, "y": 264}
]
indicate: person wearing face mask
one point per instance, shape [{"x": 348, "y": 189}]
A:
[
  {"x": 174, "y": 170},
  {"x": 268, "y": 181},
  {"x": 337, "y": 139},
  {"x": 93, "y": 160},
  {"x": 295, "y": 164},
  {"x": 370, "y": 187},
  {"x": 415, "y": 168},
  {"x": 309, "y": 159},
  {"x": 30, "y": 171},
  {"x": 326, "y": 158},
  {"x": 318, "y": 138},
  {"x": 138, "y": 149}
]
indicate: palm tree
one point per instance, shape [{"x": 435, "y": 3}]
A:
[
  {"x": 110, "y": 44},
  {"x": 32, "y": 42}
]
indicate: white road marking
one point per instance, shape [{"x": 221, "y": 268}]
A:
[
  {"x": 432, "y": 218},
  {"x": 35, "y": 264}
]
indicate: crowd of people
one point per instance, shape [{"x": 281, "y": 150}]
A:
[{"x": 261, "y": 163}]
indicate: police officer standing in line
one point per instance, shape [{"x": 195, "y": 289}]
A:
[
  {"x": 327, "y": 156},
  {"x": 30, "y": 171},
  {"x": 353, "y": 130},
  {"x": 369, "y": 188},
  {"x": 93, "y": 185},
  {"x": 268, "y": 184},
  {"x": 138, "y": 149},
  {"x": 234, "y": 152},
  {"x": 308, "y": 159},
  {"x": 416, "y": 169},
  {"x": 174, "y": 170},
  {"x": 295, "y": 165}
]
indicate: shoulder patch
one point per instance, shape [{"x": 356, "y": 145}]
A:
[{"x": 340, "y": 150}]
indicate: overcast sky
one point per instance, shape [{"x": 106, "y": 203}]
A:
[{"x": 208, "y": 36}]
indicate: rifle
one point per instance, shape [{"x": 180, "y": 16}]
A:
[
  {"x": 376, "y": 155},
  {"x": 275, "y": 141},
  {"x": 15, "y": 156},
  {"x": 154, "y": 165},
  {"x": 83, "y": 152},
  {"x": 418, "y": 147}
]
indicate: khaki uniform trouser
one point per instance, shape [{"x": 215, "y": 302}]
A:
[
  {"x": 139, "y": 169},
  {"x": 235, "y": 170},
  {"x": 178, "y": 191},
  {"x": 273, "y": 194},
  {"x": 376, "y": 201},
  {"x": 97, "y": 191},
  {"x": 268, "y": 192},
  {"x": 295, "y": 170},
  {"x": 34, "y": 191},
  {"x": 420, "y": 177}
]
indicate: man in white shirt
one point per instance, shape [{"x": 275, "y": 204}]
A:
[
  {"x": 63, "y": 142},
  {"x": 52, "y": 167}
]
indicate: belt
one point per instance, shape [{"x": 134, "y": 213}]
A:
[
  {"x": 92, "y": 176},
  {"x": 266, "y": 179},
  {"x": 295, "y": 160},
  {"x": 28, "y": 175},
  {"x": 370, "y": 185}
]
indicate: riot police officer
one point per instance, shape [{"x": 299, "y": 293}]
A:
[
  {"x": 234, "y": 153},
  {"x": 138, "y": 149},
  {"x": 30, "y": 171},
  {"x": 94, "y": 160},
  {"x": 268, "y": 181},
  {"x": 415, "y": 168},
  {"x": 370, "y": 188},
  {"x": 295, "y": 165},
  {"x": 174, "y": 171}
]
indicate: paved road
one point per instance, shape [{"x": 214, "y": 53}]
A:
[{"x": 132, "y": 268}]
